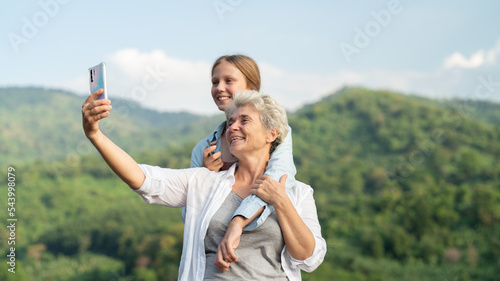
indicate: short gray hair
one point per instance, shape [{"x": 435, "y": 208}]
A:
[{"x": 271, "y": 114}]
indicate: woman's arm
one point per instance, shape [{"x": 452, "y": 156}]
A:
[
  {"x": 303, "y": 200},
  {"x": 299, "y": 239},
  {"x": 118, "y": 160}
]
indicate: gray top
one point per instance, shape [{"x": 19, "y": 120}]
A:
[{"x": 259, "y": 252}]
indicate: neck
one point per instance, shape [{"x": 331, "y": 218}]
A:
[{"x": 250, "y": 169}]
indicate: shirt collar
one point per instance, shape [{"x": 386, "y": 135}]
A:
[
  {"x": 229, "y": 174},
  {"x": 218, "y": 131}
]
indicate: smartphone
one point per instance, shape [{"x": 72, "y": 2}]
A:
[
  {"x": 209, "y": 145},
  {"x": 97, "y": 80}
]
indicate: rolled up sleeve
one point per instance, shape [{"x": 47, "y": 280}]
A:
[
  {"x": 311, "y": 263},
  {"x": 306, "y": 207}
]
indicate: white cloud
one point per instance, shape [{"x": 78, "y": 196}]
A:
[
  {"x": 161, "y": 82},
  {"x": 477, "y": 59},
  {"x": 493, "y": 53},
  {"x": 457, "y": 77},
  {"x": 74, "y": 85},
  {"x": 183, "y": 85},
  {"x": 479, "y": 83},
  {"x": 293, "y": 90},
  {"x": 458, "y": 60}
]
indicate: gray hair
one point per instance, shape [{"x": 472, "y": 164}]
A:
[{"x": 271, "y": 114}]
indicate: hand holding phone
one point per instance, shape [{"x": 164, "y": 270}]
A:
[
  {"x": 97, "y": 80},
  {"x": 209, "y": 162},
  {"x": 209, "y": 145}
]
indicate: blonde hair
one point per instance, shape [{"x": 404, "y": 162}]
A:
[
  {"x": 246, "y": 65},
  {"x": 271, "y": 114}
]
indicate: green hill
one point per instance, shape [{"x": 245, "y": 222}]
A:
[
  {"x": 45, "y": 124},
  {"x": 407, "y": 188},
  {"x": 480, "y": 110},
  {"x": 403, "y": 135}
]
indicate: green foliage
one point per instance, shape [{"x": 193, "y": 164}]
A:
[
  {"x": 46, "y": 125},
  {"x": 407, "y": 188},
  {"x": 401, "y": 179},
  {"x": 84, "y": 267}
]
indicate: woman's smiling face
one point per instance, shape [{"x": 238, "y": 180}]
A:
[
  {"x": 245, "y": 132},
  {"x": 226, "y": 81}
]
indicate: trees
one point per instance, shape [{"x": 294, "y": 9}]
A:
[{"x": 398, "y": 182}]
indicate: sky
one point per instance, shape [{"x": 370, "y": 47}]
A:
[{"x": 160, "y": 53}]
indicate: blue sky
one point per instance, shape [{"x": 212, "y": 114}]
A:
[{"x": 306, "y": 49}]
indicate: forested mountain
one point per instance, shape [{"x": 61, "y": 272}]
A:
[
  {"x": 45, "y": 124},
  {"x": 407, "y": 188}
]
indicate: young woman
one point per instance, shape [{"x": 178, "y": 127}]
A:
[{"x": 279, "y": 249}]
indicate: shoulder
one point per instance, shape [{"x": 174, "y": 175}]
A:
[
  {"x": 202, "y": 176},
  {"x": 206, "y": 174},
  {"x": 202, "y": 173},
  {"x": 301, "y": 191},
  {"x": 301, "y": 188}
]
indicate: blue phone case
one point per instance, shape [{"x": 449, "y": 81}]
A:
[{"x": 97, "y": 80}]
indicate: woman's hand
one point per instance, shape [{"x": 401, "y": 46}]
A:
[
  {"x": 299, "y": 239},
  {"x": 212, "y": 162},
  {"x": 225, "y": 251},
  {"x": 269, "y": 190},
  {"x": 93, "y": 111}
]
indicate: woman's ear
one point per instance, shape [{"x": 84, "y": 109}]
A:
[{"x": 272, "y": 135}]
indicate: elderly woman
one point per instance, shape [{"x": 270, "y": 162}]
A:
[{"x": 289, "y": 240}]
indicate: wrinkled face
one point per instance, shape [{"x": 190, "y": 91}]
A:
[
  {"x": 246, "y": 134},
  {"x": 226, "y": 81}
]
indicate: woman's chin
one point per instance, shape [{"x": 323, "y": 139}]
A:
[
  {"x": 223, "y": 105},
  {"x": 235, "y": 151}
]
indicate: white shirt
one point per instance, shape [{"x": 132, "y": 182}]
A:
[{"x": 203, "y": 192}]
